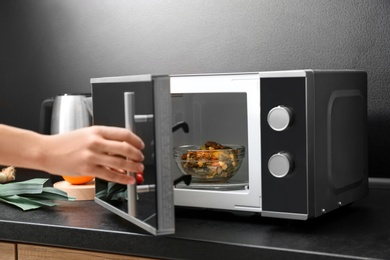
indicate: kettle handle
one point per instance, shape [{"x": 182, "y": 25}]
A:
[{"x": 45, "y": 116}]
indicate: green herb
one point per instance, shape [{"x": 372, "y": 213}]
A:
[{"x": 31, "y": 194}]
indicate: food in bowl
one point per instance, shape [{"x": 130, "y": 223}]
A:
[{"x": 210, "y": 162}]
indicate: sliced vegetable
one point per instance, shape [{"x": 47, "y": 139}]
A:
[
  {"x": 31, "y": 194},
  {"x": 33, "y": 186}
]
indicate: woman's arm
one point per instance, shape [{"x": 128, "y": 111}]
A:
[{"x": 99, "y": 151}]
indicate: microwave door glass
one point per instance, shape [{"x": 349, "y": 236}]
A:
[{"x": 137, "y": 203}]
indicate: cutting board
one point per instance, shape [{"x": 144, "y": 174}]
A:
[{"x": 80, "y": 192}]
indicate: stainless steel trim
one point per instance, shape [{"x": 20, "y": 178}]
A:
[
  {"x": 129, "y": 98},
  {"x": 133, "y": 220},
  {"x": 284, "y": 215},
  {"x": 146, "y": 188},
  {"x": 310, "y": 167},
  {"x": 143, "y": 118},
  {"x": 283, "y": 73},
  {"x": 379, "y": 183},
  {"x": 136, "y": 78},
  {"x": 163, "y": 141}
]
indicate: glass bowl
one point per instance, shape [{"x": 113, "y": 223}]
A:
[{"x": 209, "y": 165}]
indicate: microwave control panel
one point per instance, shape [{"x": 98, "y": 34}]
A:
[{"x": 283, "y": 145}]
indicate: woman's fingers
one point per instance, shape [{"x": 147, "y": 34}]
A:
[
  {"x": 120, "y": 142},
  {"x": 124, "y": 150},
  {"x": 122, "y": 135},
  {"x": 113, "y": 176},
  {"x": 120, "y": 163}
]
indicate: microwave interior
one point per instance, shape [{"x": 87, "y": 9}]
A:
[
  {"x": 217, "y": 117},
  {"x": 224, "y": 109}
]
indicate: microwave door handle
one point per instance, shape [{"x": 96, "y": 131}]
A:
[{"x": 129, "y": 124}]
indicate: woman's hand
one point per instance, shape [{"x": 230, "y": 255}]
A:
[{"x": 100, "y": 151}]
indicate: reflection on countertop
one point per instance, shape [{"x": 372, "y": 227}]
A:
[{"x": 359, "y": 230}]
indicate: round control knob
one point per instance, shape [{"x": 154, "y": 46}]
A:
[
  {"x": 279, "y": 118},
  {"x": 280, "y": 164}
]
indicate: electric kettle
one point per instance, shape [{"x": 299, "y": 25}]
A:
[{"x": 65, "y": 113}]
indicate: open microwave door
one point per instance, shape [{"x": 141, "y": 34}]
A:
[{"x": 143, "y": 104}]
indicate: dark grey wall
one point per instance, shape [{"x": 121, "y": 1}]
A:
[{"x": 53, "y": 46}]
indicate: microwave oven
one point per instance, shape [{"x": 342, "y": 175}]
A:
[{"x": 304, "y": 134}]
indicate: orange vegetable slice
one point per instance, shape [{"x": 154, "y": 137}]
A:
[{"x": 78, "y": 180}]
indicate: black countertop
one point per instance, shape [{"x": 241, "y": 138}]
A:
[{"x": 359, "y": 231}]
